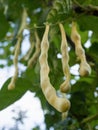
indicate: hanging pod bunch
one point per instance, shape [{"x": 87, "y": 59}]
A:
[
  {"x": 35, "y": 56},
  {"x": 65, "y": 86},
  {"x": 59, "y": 103},
  {"x": 84, "y": 66},
  {"x": 17, "y": 50}
]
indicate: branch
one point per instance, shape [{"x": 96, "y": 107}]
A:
[
  {"x": 89, "y": 119},
  {"x": 93, "y": 7},
  {"x": 89, "y": 9}
]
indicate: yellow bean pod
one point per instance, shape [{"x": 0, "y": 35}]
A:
[
  {"x": 76, "y": 38},
  {"x": 17, "y": 50},
  {"x": 34, "y": 57},
  {"x": 60, "y": 104},
  {"x": 65, "y": 86}
]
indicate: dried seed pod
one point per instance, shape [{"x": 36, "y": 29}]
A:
[
  {"x": 17, "y": 50},
  {"x": 60, "y": 104},
  {"x": 84, "y": 66},
  {"x": 65, "y": 86},
  {"x": 33, "y": 59},
  {"x": 23, "y": 22},
  {"x": 64, "y": 115},
  {"x": 15, "y": 61},
  {"x": 84, "y": 69}
]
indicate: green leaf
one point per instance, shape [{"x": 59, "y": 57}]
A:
[
  {"x": 93, "y": 51},
  {"x": 81, "y": 86},
  {"x": 95, "y": 2},
  {"x": 8, "y": 97},
  {"x": 32, "y": 76},
  {"x": 3, "y": 25},
  {"x": 91, "y": 25}
]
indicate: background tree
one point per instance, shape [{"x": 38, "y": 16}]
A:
[{"x": 84, "y": 90}]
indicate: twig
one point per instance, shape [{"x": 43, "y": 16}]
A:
[{"x": 89, "y": 119}]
